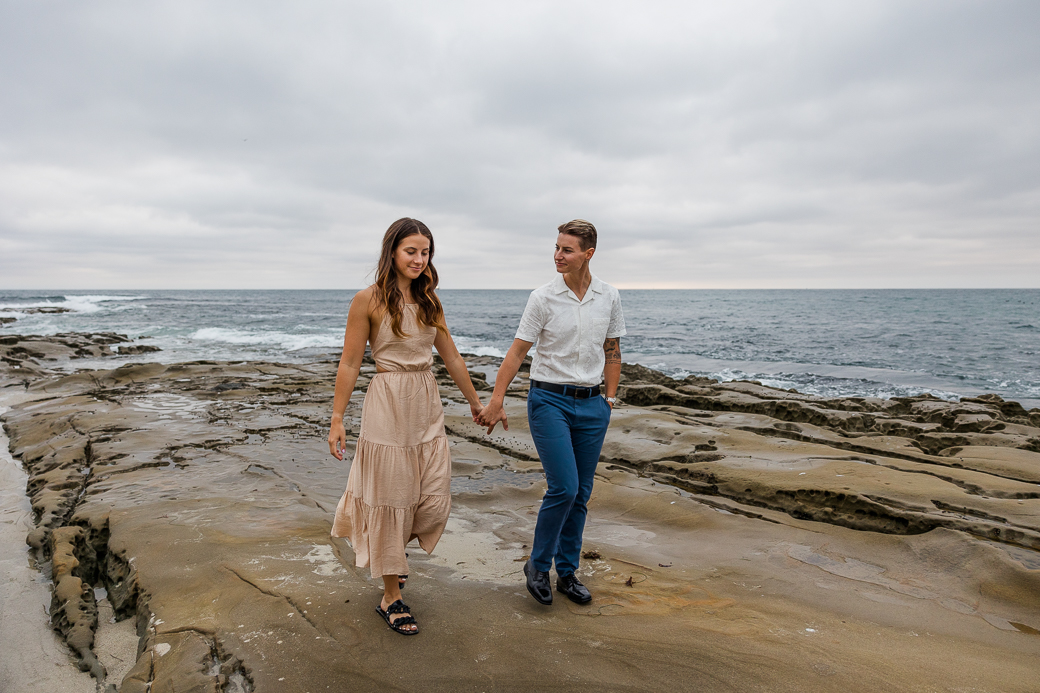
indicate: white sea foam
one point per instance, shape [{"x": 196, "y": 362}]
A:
[
  {"x": 82, "y": 303},
  {"x": 810, "y": 383},
  {"x": 831, "y": 387},
  {"x": 325, "y": 339},
  {"x": 92, "y": 303},
  {"x": 281, "y": 340},
  {"x": 468, "y": 345}
]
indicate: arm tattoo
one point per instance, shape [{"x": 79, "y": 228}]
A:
[{"x": 612, "y": 350}]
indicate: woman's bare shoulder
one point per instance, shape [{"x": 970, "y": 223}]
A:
[
  {"x": 368, "y": 300},
  {"x": 365, "y": 296}
]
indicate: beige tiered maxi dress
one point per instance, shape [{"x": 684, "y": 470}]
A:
[{"x": 399, "y": 486}]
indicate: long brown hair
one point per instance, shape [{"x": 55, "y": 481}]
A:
[{"x": 430, "y": 311}]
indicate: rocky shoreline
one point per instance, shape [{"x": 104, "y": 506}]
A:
[{"x": 740, "y": 537}]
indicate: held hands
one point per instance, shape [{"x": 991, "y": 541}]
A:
[
  {"x": 492, "y": 414},
  {"x": 475, "y": 409}
]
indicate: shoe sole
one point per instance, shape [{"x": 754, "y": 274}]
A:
[{"x": 536, "y": 597}]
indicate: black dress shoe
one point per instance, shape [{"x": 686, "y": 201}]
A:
[
  {"x": 571, "y": 587},
  {"x": 538, "y": 584}
]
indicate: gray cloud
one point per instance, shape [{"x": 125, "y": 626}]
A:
[{"x": 753, "y": 144}]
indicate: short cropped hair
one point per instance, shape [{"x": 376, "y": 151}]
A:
[{"x": 583, "y": 230}]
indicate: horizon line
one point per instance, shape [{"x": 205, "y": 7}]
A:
[{"x": 620, "y": 287}]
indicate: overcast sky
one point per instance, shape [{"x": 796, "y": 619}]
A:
[{"x": 714, "y": 144}]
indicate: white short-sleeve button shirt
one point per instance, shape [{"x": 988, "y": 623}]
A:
[{"x": 568, "y": 334}]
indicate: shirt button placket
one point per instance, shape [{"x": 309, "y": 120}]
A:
[{"x": 577, "y": 309}]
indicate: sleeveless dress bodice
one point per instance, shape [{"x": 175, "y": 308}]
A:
[{"x": 413, "y": 352}]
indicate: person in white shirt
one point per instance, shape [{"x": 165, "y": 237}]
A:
[{"x": 574, "y": 324}]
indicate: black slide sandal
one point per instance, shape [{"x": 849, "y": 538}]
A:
[{"x": 398, "y": 607}]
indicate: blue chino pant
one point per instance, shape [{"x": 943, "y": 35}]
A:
[{"x": 568, "y": 434}]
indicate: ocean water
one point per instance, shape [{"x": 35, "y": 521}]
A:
[{"x": 879, "y": 343}]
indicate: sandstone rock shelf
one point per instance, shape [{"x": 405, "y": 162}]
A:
[{"x": 741, "y": 537}]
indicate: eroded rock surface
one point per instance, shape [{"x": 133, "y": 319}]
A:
[
  {"x": 740, "y": 537},
  {"x": 29, "y": 357}
]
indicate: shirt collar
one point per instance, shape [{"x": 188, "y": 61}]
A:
[{"x": 560, "y": 286}]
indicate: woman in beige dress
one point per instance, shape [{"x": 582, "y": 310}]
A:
[{"x": 399, "y": 486}]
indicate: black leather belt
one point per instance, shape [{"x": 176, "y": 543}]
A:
[{"x": 567, "y": 390}]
